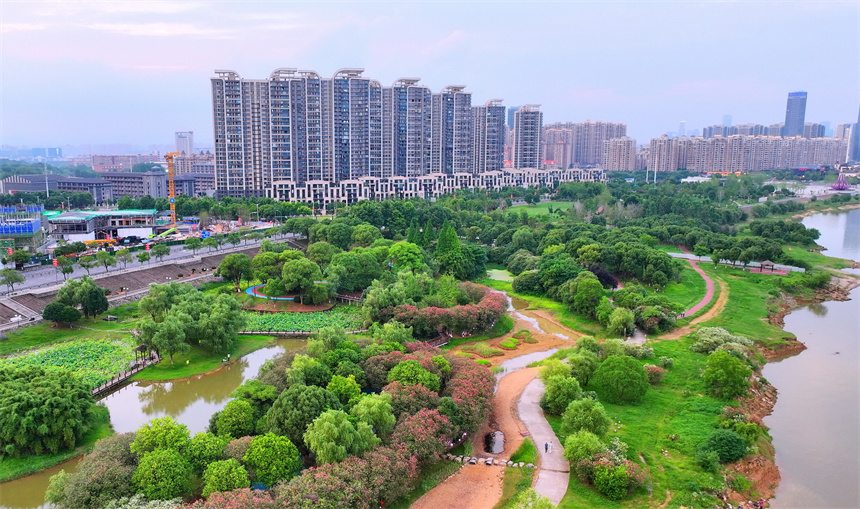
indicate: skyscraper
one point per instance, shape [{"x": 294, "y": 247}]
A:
[
  {"x": 407, "y": 114},
  {"x": 488, "y": 136},
  {"x": 528, "y": 124},
  {"x": 727, "y": 120},
  {"x": 185, "y": 142},
  {"x": 854, "y": 143},
  {"x": 511, "y": 111},
  {"x": 795, "y": 114},
  {"x": 451, "y": 128}
]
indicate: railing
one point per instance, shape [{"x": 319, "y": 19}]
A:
[
  {"x": 124, "y": 375},
  {"x": 293, "y": 333}
]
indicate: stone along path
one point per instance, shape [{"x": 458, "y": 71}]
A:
[{"x": 554, "y": 472}]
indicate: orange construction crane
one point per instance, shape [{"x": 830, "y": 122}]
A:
[{"x": 171, "y": 185}]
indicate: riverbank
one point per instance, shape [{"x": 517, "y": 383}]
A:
[{"x": 826, "y": 208}]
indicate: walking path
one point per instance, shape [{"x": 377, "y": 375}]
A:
[
  {"x": 709, "y": 287},
  {"x": 554, "y": 472}
]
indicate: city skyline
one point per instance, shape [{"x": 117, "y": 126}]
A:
[{"x": 137, "y": 72}]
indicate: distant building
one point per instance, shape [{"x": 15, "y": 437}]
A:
[
  {"x": 34, "y": 183},
  {"x": 121, "y": 162},
  {"x": 185, "y": 142},
  {"x": 512, "y": 110},
  {"x": 619, "y": 154},
  {"x": 854, "y": 144},
  {"x": 795, "y": 114},
  {"x": 488, "y": 136},
  {"x": 22, "y": 224},
  {"x": 100, "y": 189},
  {"x": 775, "y": 129},
  {"x": 727, "y": 120},
  {"x": 138, "y": 184},
  {"x": 813, "y": 130},
  {"x": 195, "y": 184},
  {"x": 842, "y": 131},
  {"x": 528, "y": 124},
  {"x": 98, "y": 225},
  {"x": 572, "y": 144}
]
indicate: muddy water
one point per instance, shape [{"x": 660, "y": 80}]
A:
[
  {"x": 191, "y": 402},
  {"x": 519, "y": 309}
]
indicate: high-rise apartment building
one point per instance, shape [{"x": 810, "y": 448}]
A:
[
  {"x": 488, "y": 136},
  {"x": 854, "y": 144},
  {"x": 451, "y": 130},
  {"x": 619, "y": 154},
  {"x": 528, "y": 124},
  {"x": 406, "y": 134},
  {"x": 727, "y": 120},
  {"x": 813, "y": 130},
  {"x": 511, "y": 111},
  {"x": 185, "y": 142},
  {"x": 795, "y": 114},
  {"x": 579, "y": 144}
]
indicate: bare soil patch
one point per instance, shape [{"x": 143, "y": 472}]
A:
[
  {"x": 473, "y": 486},
  {"x": 286, "y": 306}
]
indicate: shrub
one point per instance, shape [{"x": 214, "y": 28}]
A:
[
  {"x": 160, "y": 433},
  {"x": 554, "y": 367},
  {"x": 482, "y": 362},
  {"x": 508, "y": 344},
  {"x": 727, "y": 375},
  {"x": 588, "y": 415},
  {"x": 582, "y": 445},
  {"x": 483, "y": 350},
  {"x": 655, "y": 374},
  {"x": 620, "y": 379},
  {"x": 237, "y": 449},
  {"x": 244, "y": 498},
  {"x": 272, "y": 458},
  {"x": 225, "y": 475},
  {"x": 410, "y": 372},
  {"x": 561, "y": 391},
  {"x": 236, "y": 420},
  {"x": 162, "y": 474},
  {"x": 666, "y": 362},
  {"x": 611, "y": 481},
  {"x": 728, "y": 445},
  {"x": 708, "y": 339},
  {"x": 203, "y": 449},
  {"x": 708, "y": 460}
]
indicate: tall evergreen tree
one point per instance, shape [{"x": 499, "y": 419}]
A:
[
  {"x": 413, "y": 235},
  {"x": 449, "y": 253},
  {"x": 429, "y": 234}
]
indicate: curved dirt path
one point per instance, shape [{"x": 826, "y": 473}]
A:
[{"x": 715, "y": 310}]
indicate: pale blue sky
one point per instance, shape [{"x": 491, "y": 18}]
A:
[{"x": 135, "y": 72}]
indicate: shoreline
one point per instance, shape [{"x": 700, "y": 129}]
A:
[
  {"x": 761, "y": 469},
  {"x": 807, "y": 213}
]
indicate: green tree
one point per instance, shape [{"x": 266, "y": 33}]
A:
[
  {"x": 236, "y": 420},
  {"x": 411, "y": 372},
  {"x": 449, "y": 253},
  {"x": 210, "y": 243},
  {"x": 428, "y": 235},
  {"x": 332, "y": 437},
  {"x": 194, "y": 244},
  {"x": 727, "y": 375},
  {"x": 582, "y": 445},
  {"x": 106, "y": 259},
  {"x": 160, "y": 433},
  {"x": 84, "y": 293},
  {"x": 299, "y": 276},
  {"x": 163, "y": 474},
  {"x": 322, "y": 253},
  {"x": 413, "y": 235},
  {"x": 554, "y": 367},
  {"x": 216, "y": 328},
  {"x": 42, "y": 410},
  {"x": 621, "y": 322},
  {"x": 235, "y": 267},
  {"x": 20, "y": 257},
  {"x": 406, "y": 256},
  {"x": 224, "y": 475},
  {"x": 160, "y": 251},
  {"x": 124, "y": 256},
  {"x": 203, "y": 449},
  {"x": 143, "y": 256},
  {"x": 621, "y": 379},
  {"x": 167, "y": 337},
  {"x": 586, "y": 414},
  {"x": 296, "y": 408},
  {"x": 560, "y": 392},
  {"x": 272, "y": 458},
  {"x": 58, "y": 313},
  {"x": 376, "y": 411},
  {"x": 365, "y": 234},
  {"x": 65, "y": 266},
  {"x": 346, "y": 389},
  {"x": 582, "y": 366},
  {"x": 728, "y": 445}
]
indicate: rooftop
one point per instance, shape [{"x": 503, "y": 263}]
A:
[{"x": 88, "y": 214}]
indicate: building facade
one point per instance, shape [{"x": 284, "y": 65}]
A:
[
  {"x": 619, "y": 154},
  {"x": 100, "y": 189},
  {"x": 185, "y": 142},
  {"x": 139, "y": 184},
  {"x": 571, "y": 144},
  {"x": 528, "y": 127},
  {"x": 488, "y": 136},
  {"x": 795, "y": 114}
]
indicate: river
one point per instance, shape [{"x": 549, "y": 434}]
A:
[
  {"x": 816, "y": 420},
  {"x": 191, "y": 401}
]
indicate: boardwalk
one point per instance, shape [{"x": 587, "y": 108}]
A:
[{"x": 123, "y": 376}]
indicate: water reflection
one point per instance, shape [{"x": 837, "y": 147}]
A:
[
  {"x": 174, "y": 398},
  {"x": 817, "y": 309},
  {"x": 840, "y": 233}
]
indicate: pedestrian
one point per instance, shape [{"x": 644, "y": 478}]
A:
[
  {"x": 545, "y": 447},
  {"x": 761, "y": 503},
  {"x": 550, "y": 446}
]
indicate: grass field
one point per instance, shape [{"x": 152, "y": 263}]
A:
[
  {"x": 45, "y": 333},
  {"x": 199, "y": 360},
  {"x": 542, "y": 208},
  {"x": 689, "y": 291},
  {"x": 13, "y": 468}
]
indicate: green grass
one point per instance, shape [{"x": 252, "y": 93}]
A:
[
  {"x": 199, "y": 360},
  {"x": 542, "y": 208},
  {"x": 815, "y": 259},
  {"x": 14, "y": 468},
  {"x": 515, "y": 482},
  {"x": 526, "y": 452},
  {"x": 483, "y": 349},
  {"x": 668, "y": 248},
  {"x": 689, "y": 291},
  {"x": 429, "y": 479},
  {"x": 45, "y": 333},
  {"x": 504, "y": 325}
]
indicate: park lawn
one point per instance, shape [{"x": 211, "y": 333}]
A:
[
  {"x": 46, "y": 333},
  {"x": 815, "y": 259},
  {"x": 567, "y": 317},
  {"x": 680, "y": 406},
  {"x": 14, "y": 468},
  {"x": 689, "y": 291},
  {"x": 668, "y": 248},
  {"x": 542, "y": 207},
  {"x": 751, "y": 300},
  {"x": 200, "y": 360},
  {"x": 504, "y": 325}
]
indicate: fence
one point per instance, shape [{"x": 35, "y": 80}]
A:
[
  {"x": 293, "y": 333},
  {"x": 777, "y": 266}
]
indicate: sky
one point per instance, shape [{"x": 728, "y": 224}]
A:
[{"x": 135, "y": 72}]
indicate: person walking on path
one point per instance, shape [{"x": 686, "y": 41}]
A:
[
  {"x": 550, "y": 446},
  {"x": 546, "y": 447}
]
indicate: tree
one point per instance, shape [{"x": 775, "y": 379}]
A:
[
  {"x": 582, "y": 445},
  {"x": 727, "y": 375},
  {"x": 322, "y": 253},
  {"x": 236, "y": 420},
  {"x": 65, "y": 266},
  {"x": 87, "y": 263},
  {"x": 163, "y": 474},
  {"x": 194, "y": 244},
  {"x": 236, "y": 267},
  {"x": 410, "y": 372},
  {"x": 143, "y": 256},
  {"x": 365, "y": 234},
  {"x": 332, "y": 437},
  {"x": 203, "y": 449},
  {"x": 560, "y": 392},
  {"x": 224, "y": 475},
  {"x": 728, "y": 445},
  {"x": 217, "y": 326},
  {"x": 20, "y": 257},
  {"x": 586, "y": 414},
  {"x": 346, "y": 389},
  {"x": 84, "y": 293},
  {"x": 11, "y": 277},
  {"x": 160, "y": 433},
  {"x": 554, "y": 367},
  {"x": 124, "y": 256},
  {"x": 428, "y": 235},
  {"x": 621, "y": 379},
  {"x": 582, "y": 366},
  {"x": 299, "y": 276},
  {"x": 210, "y": 242},
  {"x": 449, "y": 253},
  {"x": 106, "y": 259},
  {"x": 58, "y": 313},
  {"x": 167, "y": 337},
  {"x": 42, "y": 410},
  {"x": 376, "y": 411},
  {"x": 296, "y": 408},
  {"x": 406, "y": 256},
  {"x": 272, "y": 458},
  {"x": 621, "y": 322},
  {"x": 160, "y": 251}
]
